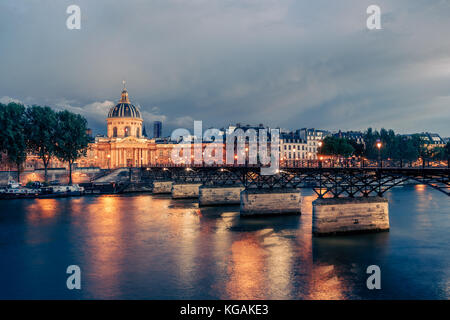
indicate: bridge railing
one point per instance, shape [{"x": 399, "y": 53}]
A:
[
  {"x": 362, "y": 163},
  {"x": 326, "y": 163}
]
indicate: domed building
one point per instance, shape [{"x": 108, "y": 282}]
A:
[
  {"x": 124, "y": 120},
  {"x": 124, "y": 145}
]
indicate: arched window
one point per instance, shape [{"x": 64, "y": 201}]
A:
[
  {"x": 138, "y": 132},
  {"x": 115, "y": 132},
  {"x": 127, "y": 131}
]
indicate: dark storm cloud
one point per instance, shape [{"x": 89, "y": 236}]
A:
[{"x": 284, "y": 63}]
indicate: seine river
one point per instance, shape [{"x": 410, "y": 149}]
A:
[{"x": 153, "y": 247}]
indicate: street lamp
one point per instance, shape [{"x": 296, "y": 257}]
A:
[
  {"x": 109, "y": 157},
  {"x": 379, "y": 152},
  {"x": 320, "y": 150}
]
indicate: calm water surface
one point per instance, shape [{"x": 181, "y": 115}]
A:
[{"x": 149, "y": 247}]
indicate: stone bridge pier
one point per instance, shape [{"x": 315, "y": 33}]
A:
[
  {"x": 219, "y": 195},
  {"x": 274, "y": 201},
  {"x": 185, "y": 190},
  {"x": 162, "y": 187},
  {"x": 350, "y": 215}
]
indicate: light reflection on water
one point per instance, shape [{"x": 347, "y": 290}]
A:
[{"x": 142, "y": 246}]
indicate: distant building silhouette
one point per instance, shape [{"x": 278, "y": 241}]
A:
[
  {"x": 144, "y": 132},
  {"x": 157, "y": 129}
]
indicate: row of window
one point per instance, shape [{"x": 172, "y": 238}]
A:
[
  {"x": 298, "y": 155},
  {"x": 132, "y": 123},
  {"x": 127, "y": 132},
  {"x": 290, "y": 147},
  {"x": 302, "y": 147}
]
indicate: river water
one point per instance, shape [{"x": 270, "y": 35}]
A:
[{"x": 153, "y": 247}]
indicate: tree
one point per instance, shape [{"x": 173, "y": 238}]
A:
[
  {"x": 394, "y": 146},
  {"x": 359, "y": 148},
  {"x": 408, "y": 147},
  {"x": 370, "y": 139},
  {"x": 439, "y": 153},
  {"x": 72, "y": 139},
  {"x": 12, "y": 138},
  {"x": 40, "y": 130},
  {"x": 336, "y": 147}
]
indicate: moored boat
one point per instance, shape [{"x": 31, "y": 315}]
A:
[
  {"x": 17, "y": 192},
  {"x": 61, "y": 191}
]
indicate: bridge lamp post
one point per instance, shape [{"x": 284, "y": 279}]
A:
[
  {"x": 109, "y": 160},
  {"x": 320, "y": 150},
  {"x": 379, "y": 153},
  {"x": 246, "y": 155}
]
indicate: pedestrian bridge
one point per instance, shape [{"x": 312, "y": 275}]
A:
[
  {"x": 349, "y": 197},
  {"x": 342, "y": 181}
]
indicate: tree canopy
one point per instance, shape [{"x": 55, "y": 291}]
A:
[
  {"x": 72, "y": 139},
  {"x": 12, "y": 138},
  {"x": 41, "y": 133},
  {"x": 336, "y": 147},
  {"x": 394, "y": 146}
]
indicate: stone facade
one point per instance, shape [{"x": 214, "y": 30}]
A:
[{"x": 79, "y": 175}]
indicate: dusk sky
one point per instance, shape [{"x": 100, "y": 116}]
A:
[{"x": 288, "y": 64}]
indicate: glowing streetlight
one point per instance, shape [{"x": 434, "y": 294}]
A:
[{"x": 379, "y": 145}]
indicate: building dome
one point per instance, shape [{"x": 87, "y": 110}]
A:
[
  {"x": 124, "y": 109},
  {"x": 124, "y": 120}
]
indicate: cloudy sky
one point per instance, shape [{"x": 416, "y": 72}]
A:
[{"x": 286, "y": 63}]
